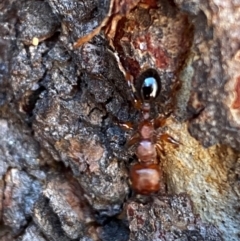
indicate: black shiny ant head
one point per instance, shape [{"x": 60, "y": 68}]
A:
[{"x": 148, "y": 85}]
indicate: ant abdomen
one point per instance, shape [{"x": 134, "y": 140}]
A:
[{"x": 145, "y": 178}]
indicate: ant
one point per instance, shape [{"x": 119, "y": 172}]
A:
[{"x": 145, "y": 175}]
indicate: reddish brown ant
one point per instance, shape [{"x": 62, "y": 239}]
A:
[{"x": 145, "y": 175}]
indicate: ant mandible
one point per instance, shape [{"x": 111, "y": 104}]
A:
[{"x": 145, "y": 175}]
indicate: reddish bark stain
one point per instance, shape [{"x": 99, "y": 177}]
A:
[
  {"x": 140, "y": 220},
  {"x": 130, "y": 211},
  {"x": 150, "y": 3},
  {"x": 236, "y": 103},
  {"x": 162, "y": 60},
  {"x": 132, "y": 66}
]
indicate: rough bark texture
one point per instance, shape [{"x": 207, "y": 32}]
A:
[{"x": 63, "y": 157}]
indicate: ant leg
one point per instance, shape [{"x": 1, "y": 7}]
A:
[
  {"x": 136, "y": 102},
  {"x": 134, "y": 139},
  {"x": 129, "y": 78},
  {"x": 167, "y": 138},
  {"x": 159, "y": 122},
  {"x": 160, "y": 150},
  {"x": 126, "y": 125}
]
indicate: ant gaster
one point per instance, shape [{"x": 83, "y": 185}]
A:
[{"x": 145, "y": 175}]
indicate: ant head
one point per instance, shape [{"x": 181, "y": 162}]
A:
[{"x": 148, "y": 85}]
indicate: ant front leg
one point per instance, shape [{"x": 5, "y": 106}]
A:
[
  {"x": 133, "y": 93},
  {"x": 126, "y": 125}
]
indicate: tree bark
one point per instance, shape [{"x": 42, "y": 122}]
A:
[{"x": 64, "y": 163}]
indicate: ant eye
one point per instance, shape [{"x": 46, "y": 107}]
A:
[{"x": 149, "y": 85}]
